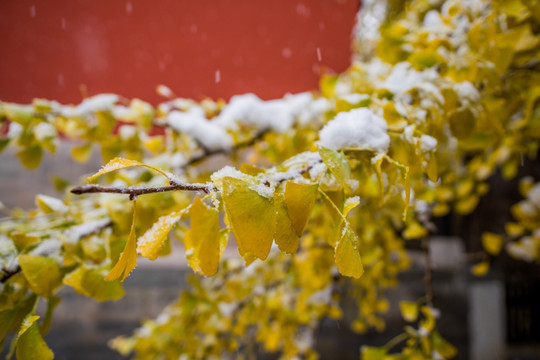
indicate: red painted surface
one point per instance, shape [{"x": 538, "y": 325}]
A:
[{"x": 198, "y": 48}]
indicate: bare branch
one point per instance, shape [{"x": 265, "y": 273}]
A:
[
  {"x": 136, "y": 191},
  {"x": 207, "y": 153}
]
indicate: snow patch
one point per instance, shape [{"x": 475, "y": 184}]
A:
[{"x": 358, "y": 128}]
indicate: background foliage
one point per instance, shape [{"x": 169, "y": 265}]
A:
[{"x": 321, "y": 190}]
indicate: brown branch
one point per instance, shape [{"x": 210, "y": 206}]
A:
[
  {"x": 243, "y": 144},
  {"x": 9, "y": 273},
  {"x": 136, "y": 191}
]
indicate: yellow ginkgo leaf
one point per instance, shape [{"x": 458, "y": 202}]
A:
[
  {"x": 350, "y": 204},
  {"x": 42, "y": 273},
  {"x": 202, "y": 241},
  {"x": 251, "y": 216},
  {"x": 149, "y": 245},
  {"x": 128, "y": 259},
  {"x": 409, "y": 310},
  {"x": 82, "y": 153},
  {"x": 415, "y": 231},
  {"x": 492, "y": 243},
  {"x": 121, "y": 163},
  {"x": 30, "y": 343},
  {"x": 347, "y": 255},
  {"x": 432, "y": 169},
  {"x": 286, "y": 236},
  {"x": 300, "y": 199},
  {"x": 480, "y": 269}
]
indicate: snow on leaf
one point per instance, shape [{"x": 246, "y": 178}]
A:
[
  {"x": 121, "y": 163},
  {"x": 30, "y": 343},
  {"x": 49, "y": 204},
  {"x": 150, "y": 244},
  {"x": 339, "y": 166}
]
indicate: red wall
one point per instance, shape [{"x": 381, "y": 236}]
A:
[{"x": 49, "y": 48}]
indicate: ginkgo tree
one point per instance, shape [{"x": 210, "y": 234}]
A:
[{"x": 320, "y": 191}]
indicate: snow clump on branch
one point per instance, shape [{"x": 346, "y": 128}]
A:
[{"x": 358, "y": 128}]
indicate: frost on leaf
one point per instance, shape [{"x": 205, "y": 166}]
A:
[
  {"x": 149, "y": 245},
  {"x": 30, "y": 343},
  {"x": 121, "y": 163}
]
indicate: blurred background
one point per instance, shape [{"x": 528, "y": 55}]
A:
[{"x": 66, "y": 50}]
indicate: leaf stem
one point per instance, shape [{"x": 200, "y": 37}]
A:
[{"x": 396, "y": 340}]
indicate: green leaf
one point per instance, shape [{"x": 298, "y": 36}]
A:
[
  {"x": 347, "y": 254},
  {"x": 12, "y": 318},
  {"x": 21, "y": 114},
  {"x": 202, "y": 241},
  {"x": 60, "y": 184},
  {"x": 150, "y": 244},
  {"x": 443, "y": 347},
  {"x": 42, "y": 273},
  {"x": 31, "y": 156},
  {"x": 251, "y": 217},
  {"x": 462, "y": 123},
  {"x": 339, "y": 166},
  {"x": 21, "y": 240},
  {"x": 3, "y": 143},
  {"x": 90, "y": 282},
  {"x": 30, "y": 344},
  {"x": 373, "y": 353},
  {"x": 82, "y": 153}
]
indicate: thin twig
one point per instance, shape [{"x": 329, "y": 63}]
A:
[
  {"x": 207, "y": 153},
  {"x": 136, "y": 191},
  {"x": 9, "y": 273}
]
